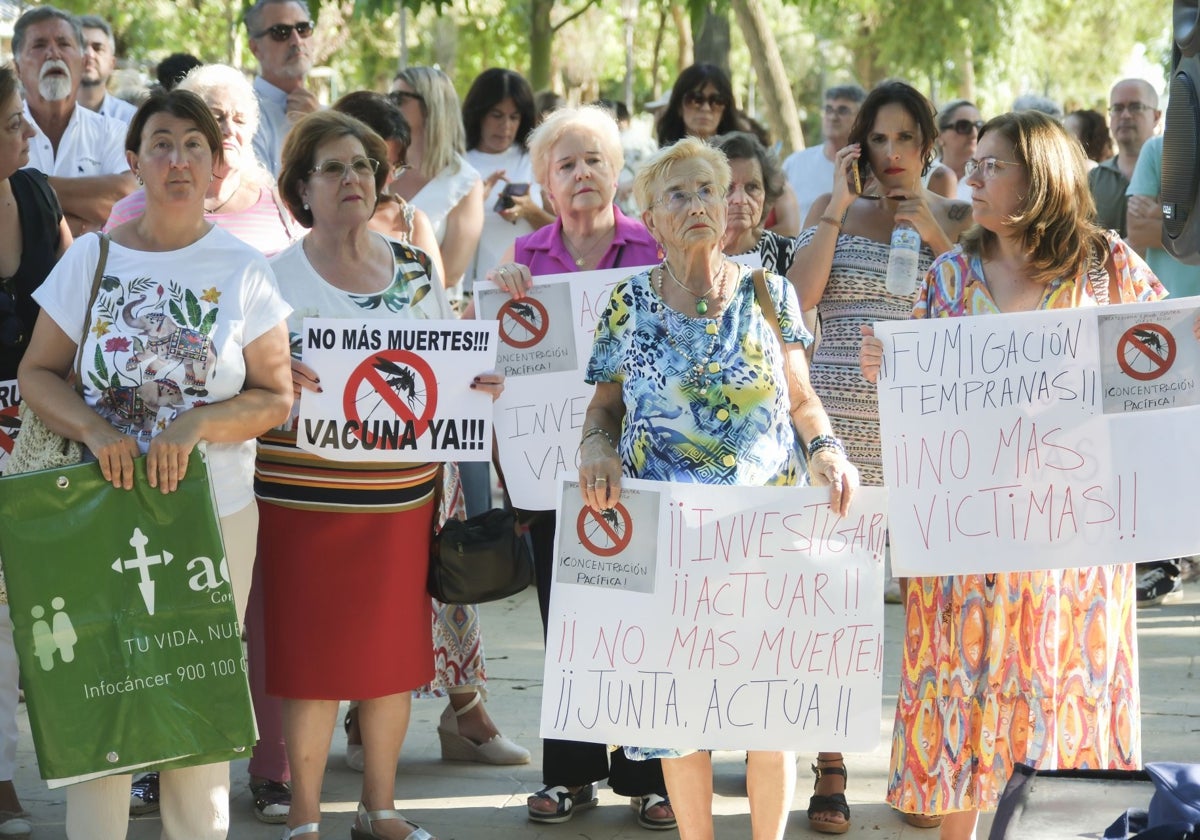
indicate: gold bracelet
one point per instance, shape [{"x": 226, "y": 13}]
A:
[{"x": 832, "y": 221}]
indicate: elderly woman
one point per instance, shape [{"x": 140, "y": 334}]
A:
[
  {"x": 439, "y": 180},
  {"x": 174, "y": 147},
  {"x": 1034, "y": 247},
  {"x": 243, "y": 200},
  {"x": 757, "y": 183},
  {"x": 577, "y": 159},
  {"x": 840, "y": 269},
  {"x": 242, "y": 197},
  {"x": 37, "y": 236},
  {"x": 343, "y": 618},
  {"x": 686, "y": 365}
]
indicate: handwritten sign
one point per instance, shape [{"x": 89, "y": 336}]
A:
[
  {"x": 545, "y": 343},
  {"x": 1042, "y": 440},
  {"x": 397, "y": 390},
  {"x": 725, "y": 618}
]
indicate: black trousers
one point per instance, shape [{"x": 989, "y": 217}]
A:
[{"x": 574, "y": 763}]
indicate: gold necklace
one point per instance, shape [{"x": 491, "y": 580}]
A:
[
  {"x": 702, "y": 297},
  {"x": 582, "y": 259}
]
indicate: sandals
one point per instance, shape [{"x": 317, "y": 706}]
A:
[
  {"x": 643, "y": 804},
  {"x": 566, "y": 803},
  {"x": 307, "y": 828},
  {"x": 370, "y": 817},
  {"x": 819, "y": 803},
  {"x": 922, "y": 820}
]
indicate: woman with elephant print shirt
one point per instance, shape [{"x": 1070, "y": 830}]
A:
[{"x": 186, "y": 343}]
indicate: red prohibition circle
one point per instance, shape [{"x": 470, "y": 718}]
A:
[
  {"x": 374, "y": 372},
  {"x": 619, "y": 534},
  {"x": 526, "y": 314},
  {"x": 9, "y": 427},
  {"x": 1152, "y": 342}
]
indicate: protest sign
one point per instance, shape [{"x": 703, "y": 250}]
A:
[
  {"x": 124, "y": 622},
  {"x": 701, "y": 616},
  {"x": 1041, "y": 440},
  {"x": 10, "y": 426},
  {"x": 545, "y": 344},
  {"x": 397, "y": 390}
]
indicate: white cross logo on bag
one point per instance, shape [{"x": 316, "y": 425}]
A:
[{"x": 142, "y": 562}]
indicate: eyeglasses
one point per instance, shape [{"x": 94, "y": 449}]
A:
[
  {"x": 402, "y": 96},
  {"x": 283, "y": 31},
  {"x": 987, "y": 168},
  {"x": 676, "y": 200},
  {"x": 1134, "y": 108},
  {"x": 964, "y": 127},
  {"x": 363, "y": 167},
  {"x": 698, "y": 100},
  {"x": 838, "y": 111},
  {"x": 399, "y": 169},
  {"x": 12, "y": 327}
]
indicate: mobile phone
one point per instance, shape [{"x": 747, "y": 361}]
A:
[
  {"x": 504, "y": 201},
  {"x": 857, "y": 178}
]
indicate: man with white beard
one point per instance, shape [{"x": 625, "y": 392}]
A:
[{"x": 82, "y": 152}]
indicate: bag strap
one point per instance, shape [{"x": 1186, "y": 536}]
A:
[
  {"x": 87, "y": 318},
  {"x": 768, "y": 310}
]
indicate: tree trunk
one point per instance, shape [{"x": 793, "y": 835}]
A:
[
  {"x": 781, "y": 111},
  {"x": 687, "y": 47},
  {"x": 968, "y": 72},
  {"x": 713, "y": 42},
  {"x": 541, "y": 40}
]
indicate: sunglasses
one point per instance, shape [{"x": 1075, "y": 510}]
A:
[
  {"x": 963, "y": 126},
  {"x": 402, "y": 96},
  {"x": 698, "y": 100},
  {"x": 283, "y": 31},
  {"x": 12, "y": 327}
]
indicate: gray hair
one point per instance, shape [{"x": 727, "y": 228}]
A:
[
  {"x": 742, "y": 145},
  {"x": 97, "y": 22},
  {"x": 221, "y": 77},
  {"x": 589, "y": 119},
  {"x": 41, "y": 14},
  {"x": 254, "y": 13},
  {"x": 1034, "y": 102},
  {"x": 656, "y": 168},
  {"x": 851, "y": 93}
]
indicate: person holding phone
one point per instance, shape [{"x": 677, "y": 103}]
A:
[{"x": 839, "y": 267}]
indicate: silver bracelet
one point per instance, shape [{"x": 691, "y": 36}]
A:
[
  {"x": 825, "y": 442},
  {"x": 596, "y": 430}
]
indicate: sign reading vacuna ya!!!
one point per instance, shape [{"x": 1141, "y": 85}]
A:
[
  {"x": 700, "y": 616},
  {"x": 397, "y": 390},
  {"x": 1041, "y": 440}
]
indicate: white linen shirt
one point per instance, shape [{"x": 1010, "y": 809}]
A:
[
  {"x": 117, "y": 108},
  {"x": 273, "y": 124},
  {"x": 92, "y": 145}
]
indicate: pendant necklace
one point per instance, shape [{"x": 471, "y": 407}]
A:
[
  {"x": 702, "y": 297},
  {"x": 703, "y": 372},
  {"x": 582, "y": 259},
  {"x": 236, "y": 190}
]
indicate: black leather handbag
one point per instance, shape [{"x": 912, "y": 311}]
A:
[{"x": 484, "y": 558}]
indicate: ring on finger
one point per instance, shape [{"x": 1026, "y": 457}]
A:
[
  {"x": 602, "y": 481},
  {"x": 591, "y": 485}
]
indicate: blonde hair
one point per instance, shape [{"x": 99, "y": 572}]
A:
[
  {"x": 650, "y": 178},
  {"x": 445, "y": 138},
  {"x": 591, "y": 120},
  {"x": 1055, "y": 219}
]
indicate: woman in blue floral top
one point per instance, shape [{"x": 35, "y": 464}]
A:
[{"x": 692, "y": 386}]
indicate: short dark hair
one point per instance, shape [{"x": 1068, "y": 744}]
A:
[
  {"x": 379, "y": 113},
  {"x": 1094, "y": 137},
  {"x": 671, "y": 126},
  {"x": 851, "y": 93},
  {"x": 8, "y": 82},
  {"x": 178, "y": 103},
  {"x": 41, "y": 14},
  {"x": 300, "y": 147},
  {"x": 895, "y": 92},
  {"x": 490, "y": 88},
  {"x": 744, "y": 145},
  {"x": 171, "y": 70},
  {"x": 253, "y": 16}
]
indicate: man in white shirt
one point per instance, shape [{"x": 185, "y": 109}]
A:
[
  {"x": 279, "y": 38},
  {"x": 82, "y": 152},
  {"x": 99, "y": 61},
  {"x": 810, "y": 171}
]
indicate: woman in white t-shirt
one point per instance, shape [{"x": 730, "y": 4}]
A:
[{"x": 155, "y": 385}]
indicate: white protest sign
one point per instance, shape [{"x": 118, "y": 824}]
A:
[
  {"x": 715, "y": 617},
  {"x": 397, "y": 390},
  {"x": 10, "y": 426},
  {"x": 545, "y": 344},
  {"x": 1041, "y": 440}
]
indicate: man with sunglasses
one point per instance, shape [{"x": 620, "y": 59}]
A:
[
  {"x": 810, "y": 170},
  {"x": 280, "y": 38},
  {"x": 1133, "y": 114}
]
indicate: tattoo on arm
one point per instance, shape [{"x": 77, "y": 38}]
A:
[{"x": 958, "y": 211}]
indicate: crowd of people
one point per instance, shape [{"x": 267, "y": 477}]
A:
[{"x": 267, "y": 207}]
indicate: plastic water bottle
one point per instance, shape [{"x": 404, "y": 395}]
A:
[{"x": 902, "y": 261}]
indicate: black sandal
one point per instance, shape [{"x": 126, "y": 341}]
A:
[{"x": 818, "y": 803}]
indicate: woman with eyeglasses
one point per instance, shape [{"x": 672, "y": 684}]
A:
[
  {"x": 840, "y": 268},
  {"x": 988, "y": 680},
  {"x": 701, "y": 105},
  {"x": 439, "y": 180},
  {"x": 958, "y": 131},
  {"x": 345, "y": 545},
  {"x": 33, "y": 235}
]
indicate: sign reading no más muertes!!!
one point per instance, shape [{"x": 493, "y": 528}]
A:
[
  {"x": 1041, "y": 440},
  {"x": 397, "y": 390},
  {"x": 545, "y": 343},
  {"x": 700, "y": 616}
]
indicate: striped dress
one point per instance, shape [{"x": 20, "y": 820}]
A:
[
  {"x": 345, "y": 546},
  {"x": 1032, "y": 667}
]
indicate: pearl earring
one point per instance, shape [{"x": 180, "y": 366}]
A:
[{"x": 306, "y": 207}]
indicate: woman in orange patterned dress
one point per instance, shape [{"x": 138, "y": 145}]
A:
[{"x": 1032, "y": 667}]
